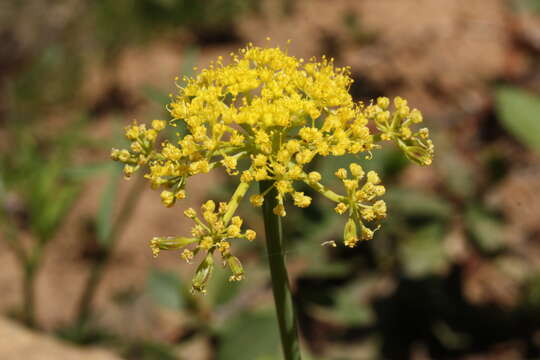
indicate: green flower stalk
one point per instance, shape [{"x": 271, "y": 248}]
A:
[{"x": 263, "y": 118}]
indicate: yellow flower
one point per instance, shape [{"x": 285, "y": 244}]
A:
[
  {"x": 167, "y": 198},
  {"x": 250, "y": 235},
  {"x": 256, "y": 200},
  {"x": 267, "y": 116}
]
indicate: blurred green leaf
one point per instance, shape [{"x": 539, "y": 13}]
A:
[
  {"x": 422, "y": 253},
  {"x": 104, "y": 219},
  {"x": 349, "y": 308},
  {"x": 456, "y": 170},
  {"x": 409, "y": 202},
  {"x": 47, "y": 219},
  {"x": 527, "y": 5},
  {"x": 81, "y": 172},
  {"x": 531, "y": 296},
  {"x": 485, "y": 229},
  {"x": 220, "y": 289},
  {"x": 387, "y": 162},
  {"x": 519, "y": 112},
  {"x": 250, "y": 336},
  {"x": 318, "y": 263},
  {"x": 150, "y": 350},
  {"x": 155, "y": 95},
  {"x": 166, "y": 288}
]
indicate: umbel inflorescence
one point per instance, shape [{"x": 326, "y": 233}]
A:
[{"x": 266, "y": 116}]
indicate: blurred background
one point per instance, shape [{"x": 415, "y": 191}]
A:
[{"x": 454, "y": 273}]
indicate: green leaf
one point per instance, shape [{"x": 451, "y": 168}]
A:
[
  {"x": 350, "y": 306},
  {"x": 485, "y": 229},
  {"x": 155, "y": 95},
  {"x": 423, "y": 253},
  {"x": 47, "y": 219},
  {"x": 527, "y": 5},
  {"x": 519, "y": 112},
  {"x": 250, "y": 336},
  {"x": 190, "y": 60},
  {"x": 409, "y": 202},
  {"x": 220, "y": 289},
  {"x": 456, "y": 171},
  {"x": 82, "y": 172},
  {"x": 105, "y": 212},
  {"x": 165, "y": 287}
]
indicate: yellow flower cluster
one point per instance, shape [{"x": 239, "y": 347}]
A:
[
  {"x": 264, "y": 117},
  {"x": 214, "y": 233},
  {"x": 396, "y": 126},
  {"x": 359, "y": 203},
  {"x": 142, "y": 146}
]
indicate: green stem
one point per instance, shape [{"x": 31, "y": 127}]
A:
[
  {"x": 99, "y": 266},
  {"x": 280, "y": 280},
  {"x": 238, "y": 195},
  {"x": 28, "y": 292},
  {"x": 324, "y": 191}
]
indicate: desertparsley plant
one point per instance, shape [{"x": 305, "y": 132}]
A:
[{"x": 263, "y": 118}]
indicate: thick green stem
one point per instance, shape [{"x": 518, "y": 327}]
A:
[{"x": 280, "y": 280}]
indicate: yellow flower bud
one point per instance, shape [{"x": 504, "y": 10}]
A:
[
  {"x": 383, "y": 102},
  {"x": 133, "y": 132},
  {"x": 356, "y": 170},
  {"x": 301, "y": 200},
  {"x": 203, "y": 274},
  {"x": 367, "y": 233},
  {"x": 151, "y": 134},
  {"x": 233, "y": 231},
  {"x": 236, "y": 268},
  {"x": 373, "y": 177},
  {"x": 368, "y": 214},
  {"x": 206, "y": 243},
  {"x": 167, "y": 198},
  {"x": 169, "y": 243},
  {"x": 236, "y": 220},
  {"x": 379, "y": 208},
  {"x": 180, "y": 194},
  {"x": 399, "y": 102},
  {"x": 341, "y": 208},
  {"x": 115, "y": 154},
  {"x": 246, "y": 177},
  {"x": 256, "y": 200},
  {"x": 187, "y": 255},
  {"x": 190, "y": 213},
  {"x": 128, "y": 171},
  {"x": 136, "y": 147},
  {"x": 259, "y": 160},
  {"x": 416, "y": 116},
  {"x": 124, "y": 156},
  {"x": 251, "y": 235},
  {"x": 341, "y": 173},
  {"x": 350, "y": 236},
  {"x": 209, "y": 206},
  {"x": 314, "y": 176},
  {"x": 158, "y": 125},
  {"x": 279, "y": 210}
]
